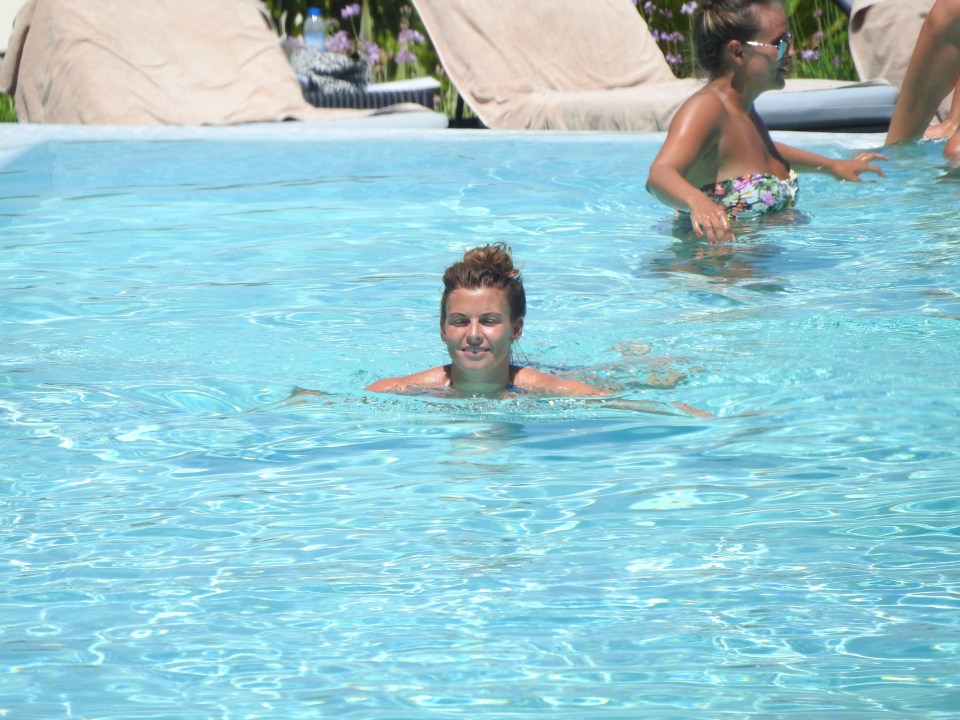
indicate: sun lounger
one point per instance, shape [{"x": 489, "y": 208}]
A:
[
  {"x": 594, "y": 65},
  {"x": 860, "y": 107},
  {"x": 421, "y": 91},
  {"x": 175, "y": 62}
]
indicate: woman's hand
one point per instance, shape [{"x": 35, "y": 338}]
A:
[
  {"x": 708, "y": 218},
  {"x": 856, "y": 166}
]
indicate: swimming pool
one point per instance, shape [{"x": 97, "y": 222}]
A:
[{"x": 178, "y": 543}]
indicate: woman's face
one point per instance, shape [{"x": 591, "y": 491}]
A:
[
  {"x": 762, "y": 59},
  {"x": 479, "y": 332}
]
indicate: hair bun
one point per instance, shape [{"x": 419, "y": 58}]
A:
[{"x": 496, "y": 256}]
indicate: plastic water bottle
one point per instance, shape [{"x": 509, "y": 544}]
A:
[{"x": 313, "y": 32}]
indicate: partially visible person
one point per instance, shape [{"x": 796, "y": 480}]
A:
[
  {"x": 950, "y": 124},
  {"x": 481, "y": 316},
  {"x": 718, "y": 162},
  {"x": 881, "y": 35},
  {"x": 952, "y": 149},
  {"x": 934, "y": 71}
]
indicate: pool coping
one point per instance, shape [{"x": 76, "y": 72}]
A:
[{"x": 16, "y": 138}]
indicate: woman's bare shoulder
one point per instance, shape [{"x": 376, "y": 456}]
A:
[
  {"x": 433, "y": 378},
  {"x": 528, "y": 378},
  {"x": 704, "y": 102},
  {"x": 701, "y": 117}
]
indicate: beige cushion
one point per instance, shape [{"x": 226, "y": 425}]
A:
[
  {"x": 882, "y": 34},
  {"x": 8, "y": 11},
  {"x": 570, "y": 64},
  {"x": 561, "y": 64},
  {"x": 174, "y": 62}
]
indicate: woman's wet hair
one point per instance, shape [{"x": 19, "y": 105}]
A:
[
  {"x": 720, "y": 21},
  {"x": 487, "y": 266}
]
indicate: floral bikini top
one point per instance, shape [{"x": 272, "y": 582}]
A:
[{"x": 753, "y": 195}]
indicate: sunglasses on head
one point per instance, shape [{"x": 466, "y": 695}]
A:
[{"x": 781, "y": 45}]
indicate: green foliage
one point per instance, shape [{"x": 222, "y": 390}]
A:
[
  {"x": 381, "y": 22},
  {"x": 820, "y": 44},
  {"x": 7, "y": 111},
  {"x": 819, "y": 28},
  {"x": 671, "y": 23},
  {"x": 288, "y": 14}
]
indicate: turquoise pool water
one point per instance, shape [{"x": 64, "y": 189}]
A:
[{"x": 178, "y": 543}]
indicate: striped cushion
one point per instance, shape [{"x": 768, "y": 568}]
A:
[{"x": 419, "y": 90}]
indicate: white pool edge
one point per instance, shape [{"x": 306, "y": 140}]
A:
[{"x": 16, "y": 138}]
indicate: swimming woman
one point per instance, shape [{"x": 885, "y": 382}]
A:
[
  {"x": 718, "y": 161},
  {"x": 481, "y": 317}
]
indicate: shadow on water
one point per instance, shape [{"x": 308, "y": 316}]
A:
[{"x": 749, "y": 260}]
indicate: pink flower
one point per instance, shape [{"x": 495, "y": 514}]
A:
[
  {"x": 407, "y": 35},
  {"x": 339, "y": 42},
  {"x": 372, "y": 52}
]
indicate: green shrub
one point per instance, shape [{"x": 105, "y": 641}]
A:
[
  {"x": 820, "y": 45},
  {"x": 388, "y": 33},
  {"x": 7, "y": 111},
  {"x": 819, "y": 28}
]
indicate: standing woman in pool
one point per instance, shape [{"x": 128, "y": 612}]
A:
[
  {"x": 719, "y": 161},
  {"x": 481, "y": 317}
]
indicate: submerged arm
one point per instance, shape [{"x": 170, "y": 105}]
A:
[{"x": 656, "y": 408}]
